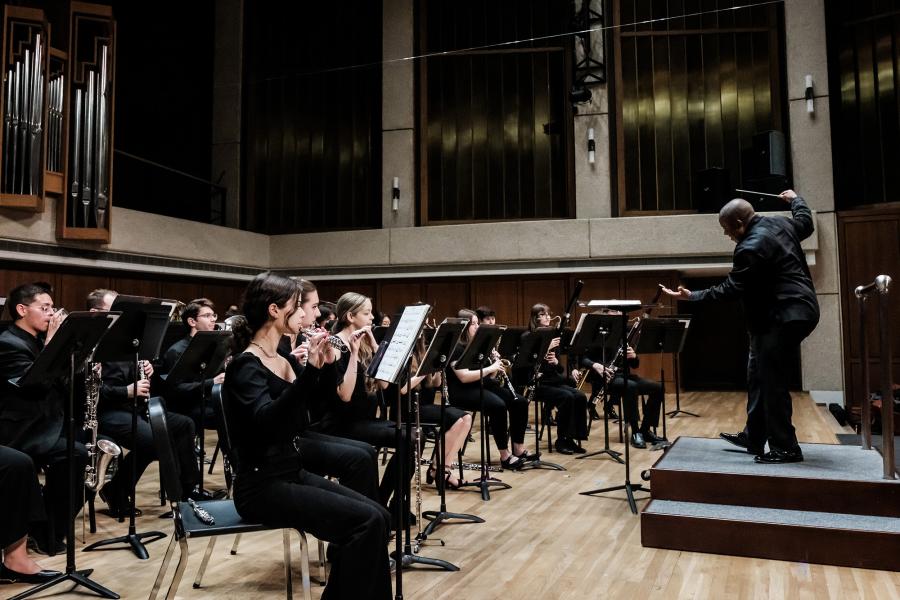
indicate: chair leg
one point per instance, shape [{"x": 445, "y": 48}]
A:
[
  {"x": 92, "y": 516},
  {"x": 204, "y": 562},
  {"x": 304, "y": 565},
  {"x": 212, "y": 461},
  {"x": 322, "y": 575},
  {"x": 288, "y": 584},
  {"x": 237, "y": 540},
  {"x": 162, "y": 569}
]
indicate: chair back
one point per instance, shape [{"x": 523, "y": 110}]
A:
[
  {"x": 168, "y": 469},
  {"x": 217, "y": 398}
]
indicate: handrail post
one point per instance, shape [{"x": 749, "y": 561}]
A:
[{"x": 882, "y": 284}]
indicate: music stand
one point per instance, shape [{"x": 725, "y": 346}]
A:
[
  {"x": 137, "y": 336},
  {"x": 436, "y": 359},
  {"x": 532, "y": 350},
  {"x": 201, "y": 360},
  {"x": 604, "y": 333},
  {"x": 686, "y": 319},
  {"x": 70, "y": 346},
  {"x": 624, "y": 307},
  {"x": 661, "y": 336},
  {"x": 472, "y": 358}
]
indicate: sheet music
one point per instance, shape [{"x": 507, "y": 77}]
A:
[
  {"x": 405, "y": 335},
  {"x": 614, "y": 303}
]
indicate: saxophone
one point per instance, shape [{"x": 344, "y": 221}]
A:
[{"x": 102, "y": 453}]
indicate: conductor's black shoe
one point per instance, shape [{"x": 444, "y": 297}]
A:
[
  {"x": 775, "y": 457},
  {"x": 741, "y": 440},
  {"x": 563, "y": 446},
  {"x": 7, "y": 575},
  {"x": 637, "y": 440}
]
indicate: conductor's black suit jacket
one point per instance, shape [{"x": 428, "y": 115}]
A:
[
  {"x": 31, "y": 418},
  {"x": 769, "y": 274}
]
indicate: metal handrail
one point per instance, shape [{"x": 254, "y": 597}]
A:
[{"x": 880, "y": 287}]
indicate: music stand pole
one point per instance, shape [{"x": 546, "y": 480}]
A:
[
  {"x": 629, "y": 487},
  {"x": 534, "y": 358},
  {"x": 678, "y": 411},
  {"x": 71, "y": 574},
  {"x": 613, "y": 454}
]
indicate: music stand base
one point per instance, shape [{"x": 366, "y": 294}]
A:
[
  {"x": 484, "y": 484},
  {"x": 438, "y": 518},
  {"x": 135, "y": 542},
  {"x": 541, "y": 464},
  {"x": 678, "y": 411},
  {"x": 407, "y": 561},
  {"x": 613, "y": 454},
  {"x": 630, "y": 489},
  {"x": 76, "y": 577}
]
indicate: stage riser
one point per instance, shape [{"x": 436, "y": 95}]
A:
[
  {"x": 845, "y": 548},
  {"x": 789, "y": 493}
]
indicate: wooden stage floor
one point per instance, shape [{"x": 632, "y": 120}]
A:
[{"x": 541, "y": 539}]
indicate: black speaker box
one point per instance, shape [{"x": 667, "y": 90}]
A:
[
  {"x": 769, "y": 154},
  {"x": 712, "y": 189}
]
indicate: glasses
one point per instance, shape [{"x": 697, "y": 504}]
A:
[
  {"x": 44, "y": 308},
  {"x": 212, "y": 316}
]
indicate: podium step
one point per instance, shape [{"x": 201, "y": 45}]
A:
[
  {"x": 848, "y": 540},
  {"x": 831, "y": 479}
]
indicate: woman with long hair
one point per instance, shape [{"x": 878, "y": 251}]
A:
[
  {"x": 264, "y": 400},
  {"x": 499, "y": 402},
  {"x": 554, "y": 390}
]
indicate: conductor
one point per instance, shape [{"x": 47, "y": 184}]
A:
[{"x": 770, "y": 276}]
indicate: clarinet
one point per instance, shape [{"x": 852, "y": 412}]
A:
[{"x": 418, "y": 474}]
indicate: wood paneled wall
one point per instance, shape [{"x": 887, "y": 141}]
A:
[{"x": 869, "y": 242}]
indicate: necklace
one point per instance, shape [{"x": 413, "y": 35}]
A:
[{"x": 263, "y": 350}]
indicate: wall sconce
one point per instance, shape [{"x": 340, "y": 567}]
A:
[
  {"x": 395, "y": 194},
  {"x": 591, "y": 147},
  {"x": 810, "y": 108}
]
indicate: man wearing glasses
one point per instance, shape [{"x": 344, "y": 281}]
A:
[
  {"x": 185, "y": 398},
  {"x": 31, "y": 418}
]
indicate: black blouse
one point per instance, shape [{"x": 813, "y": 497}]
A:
[
  {"x": 264, "y": 411},
  {"x": 361, "y": 405}
]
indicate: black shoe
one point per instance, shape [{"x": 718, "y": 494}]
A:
[
  {"x": 577, "y": 449},
  {"x": 741, "y": 441},
  {"x": 595, "y": 416},
  {"x": 509, "y": 464},
  {"x": 652, "y": 438},
  {"x": 201, "y": 495},
  {"x": 775, "y": 457},
  {"x": 637, "y": 440},
  {"x": 7, "y": 575},
  {"x": 59, "y": 547},
  {"x": 563, "y": 447},
  {"x": 611, "y": 413}
]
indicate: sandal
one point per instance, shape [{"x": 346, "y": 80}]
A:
[
  {"x": 449, "y": 484},
  {"x": 527, "y": 456}
]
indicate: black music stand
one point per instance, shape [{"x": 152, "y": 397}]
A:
[
  {"x": 624, "y": 306},
  {"x": 532, "y": 350},
  {"x": 436, "y": 359},
  {"x": 202, "y": 359},
  {"x": 70, "y": 346},
  {"x": 661, "y": 336},
  {"x": 137, "y": 336},
  {"x": 686, "y": 319},
  {"x": 604, "y": 333},
  {"x": 472, "y": 358}
]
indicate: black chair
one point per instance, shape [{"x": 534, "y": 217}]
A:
[{"x": 188, "y": 525}]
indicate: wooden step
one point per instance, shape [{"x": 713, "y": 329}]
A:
[
  {"x": 869, "y": 542},
  {"x": 832, "y": 478}
]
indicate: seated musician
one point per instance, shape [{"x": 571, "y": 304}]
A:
[
  {"x": 613, "y": 376},
  {"x": 21, "y": 508},
  {"x": 114, "y": 416},
  {"x": 349, "y": 410},
  {"x": 186, "y": 397},
  {"x": 486, "y": 315},
  {"x": 31, "y": 418},
  {"x": 501, "y": 405},
  {"x": 265, "y": 405},
  {"x": 554, "y": 389}
]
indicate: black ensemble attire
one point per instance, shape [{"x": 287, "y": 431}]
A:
[
  {"x": 32, "y": 421},
  {"x": 114, "y": 420},
  {"x": 636, "y": 386},
  {"x": 771, "y": 277},
  {"x": 20, "y": 504},
  {"x": 272, "y": 486},
  {"x": 186, "y": 397},
  {"x": 499, "y": 402}
]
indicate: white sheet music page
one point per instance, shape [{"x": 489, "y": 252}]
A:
[{"x": 405, "y": 335}]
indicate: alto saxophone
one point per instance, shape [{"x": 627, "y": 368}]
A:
[{"x": 102, "y": 453}]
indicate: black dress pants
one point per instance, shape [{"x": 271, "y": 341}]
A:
[
  {"x": 358, "y": 526},
  {"x": 56, "y": 482},
  {"x": 381, "y": 434},
  {"x": 769, "y": 407},
  {"x": 116, "y": 424},
  {"x": 498, "y": 402},
  {"x": 571, "y": 409},
  {"x": 638, "y": 385},
  {"x": 354, "y": 463},
  {"x": 21, "y": 506}
]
